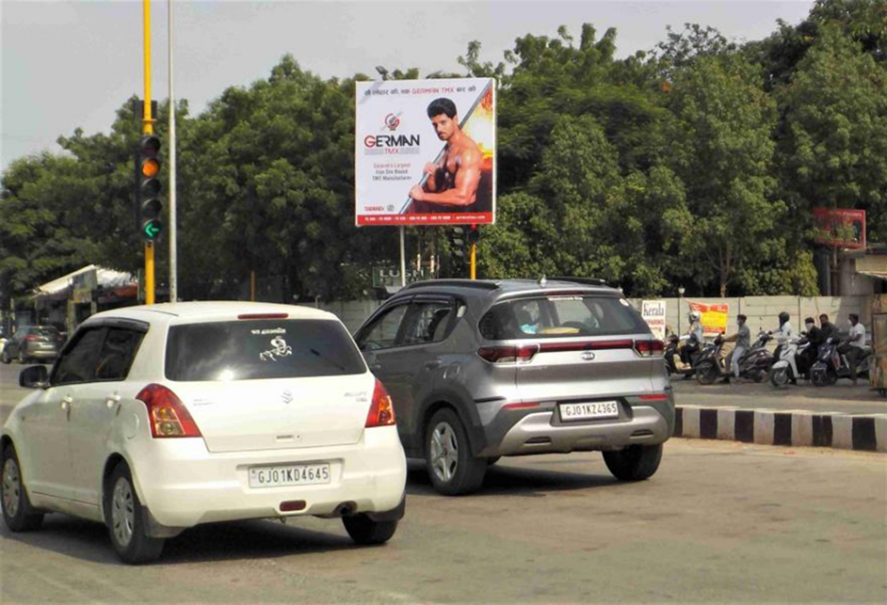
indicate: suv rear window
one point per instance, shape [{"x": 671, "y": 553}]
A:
[
  {"x": 260, "y": 349},
  {"x": 560, "y": 315},
  {"x": 44, "y": 331}
]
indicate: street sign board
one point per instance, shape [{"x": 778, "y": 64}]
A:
[
  {"x": 425, "y": 152},
  {"x": 653, "y": 312}
]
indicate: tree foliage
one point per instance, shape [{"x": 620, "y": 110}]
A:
[{"x": 695, "y": 164}]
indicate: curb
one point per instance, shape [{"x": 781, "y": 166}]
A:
[{"x": 799, "y": 428}]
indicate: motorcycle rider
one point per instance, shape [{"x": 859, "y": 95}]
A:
[
  {"x": 815, "y": 338},
  {"x": 828, "y": 328},
  {"x": 742, "y": 338},
  {"x": 854, "y": 346},
  {"x": 695, "y": 337},
  {"x": 783, "y": 333}
]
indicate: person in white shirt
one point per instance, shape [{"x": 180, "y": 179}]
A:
[{"x": 855, "y": 344}]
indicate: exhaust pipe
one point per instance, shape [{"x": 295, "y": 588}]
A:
[{"x": 345, "y": 509}]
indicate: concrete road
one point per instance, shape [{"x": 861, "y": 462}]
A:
[{"x": 720, "y": 522}]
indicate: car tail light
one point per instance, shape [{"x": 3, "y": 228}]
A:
[
  {"x": 167, "y": 413},
  {"x": 381, "y": 410},
  {"x": 649, "y": 348},
  {"x": 31, "y": 337},
  {"x": 508, "y": 354}
]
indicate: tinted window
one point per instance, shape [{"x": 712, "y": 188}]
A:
[
  {"x": 426, "y": 322},
  {"x": 118, "y": 352},
  {"x": 249, "y": 350},
  {"x": 558, "y": 316},
  {"x": 49, "y": 331},
  {"x": 382, "y": 333},
  {"x": 78, "y": 363}
]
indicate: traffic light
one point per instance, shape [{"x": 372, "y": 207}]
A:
[
  {"x": 460, "y": 243},
  {"x": 150, "y": 204}
]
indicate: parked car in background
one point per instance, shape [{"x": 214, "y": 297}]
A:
[
  {"x": 159, "y": 418},
  {"x": 40, "y": 344},
  {"x": 483, "y": 369}
]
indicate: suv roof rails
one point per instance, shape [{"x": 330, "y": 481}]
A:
[
  {"x": 460, "y": 283},
  {"x": 587, "y": 281}
]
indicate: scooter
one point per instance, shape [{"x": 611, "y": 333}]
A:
[
  {"x": 754, "y": 363},
  {"x": 790, "y": 365},
  {"x": 673, "y": 361},
  {"x": 831, "y": 365}
]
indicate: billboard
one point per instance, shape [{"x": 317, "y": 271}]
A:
[
  {"x": 653, "y": 312},
  {"x": 714, "y": 317},
  {"x": 839, "y": 228},
  {"x": 425, "y": 152}
]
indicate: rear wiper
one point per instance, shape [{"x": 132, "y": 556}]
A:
[{"x": 329, "y": 361}]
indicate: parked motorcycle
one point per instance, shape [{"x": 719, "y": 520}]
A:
[
  {"x": 754, "y": 364},
  {"x": 791, "y": 363},
  {"x": 673, "y": 355},
  {"x": 830, "y": 365}
]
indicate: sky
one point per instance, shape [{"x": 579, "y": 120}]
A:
[{"x": 69, "y": 64}]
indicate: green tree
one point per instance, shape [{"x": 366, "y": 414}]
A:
[{"x": 723, "y": 154}]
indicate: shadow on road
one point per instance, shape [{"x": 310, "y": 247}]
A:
[
  {"x": 505, "y": 479},
  {"x": 260, "y": 539}
]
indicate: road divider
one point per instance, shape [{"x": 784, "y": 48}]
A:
[{"x": 801, "y": 428}]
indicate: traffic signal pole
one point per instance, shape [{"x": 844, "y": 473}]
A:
[
  {"x": 473, "y": 251},
  {"x": 147, "y": 129}
]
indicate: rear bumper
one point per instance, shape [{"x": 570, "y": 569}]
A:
[
  {"x": 541, "y": 431},
  {"x": 40, "y": 354},
  {"x": 182, "y": 484}
]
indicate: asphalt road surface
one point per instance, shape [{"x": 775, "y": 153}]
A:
[{"x": 721, "y": 521}]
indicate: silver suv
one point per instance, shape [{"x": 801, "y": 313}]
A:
[{"x": 483, "y": 369}]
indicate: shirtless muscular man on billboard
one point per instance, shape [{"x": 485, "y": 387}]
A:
[{"x": 452, "y": 183}]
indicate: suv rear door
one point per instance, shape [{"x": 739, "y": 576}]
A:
[{"x": 411, "y": 336}]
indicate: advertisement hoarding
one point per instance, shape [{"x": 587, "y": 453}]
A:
[
  {"x": 714, "y": 316},
  {"x": 425, "y": 152},
  {"x": 653, "y": 312},
  {"x": 839, "y": 228}
]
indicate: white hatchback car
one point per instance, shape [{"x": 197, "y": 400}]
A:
[{"x": 155, "y": 419}]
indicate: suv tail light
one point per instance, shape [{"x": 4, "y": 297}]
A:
[
  {"x": 31, "y": 337},
  {"x": 167, "y": 413},
  {"x": 649, "y": 348},
  {"x": 508, "y": 354},
  {"x": 381, "y": 410}
]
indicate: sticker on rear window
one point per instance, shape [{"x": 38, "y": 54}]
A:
[{"x": 278, "y": 349}]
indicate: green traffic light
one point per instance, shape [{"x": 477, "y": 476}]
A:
[{"x": 151, "y": 229}]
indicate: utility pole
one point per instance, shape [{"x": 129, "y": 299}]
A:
[
  {"x": 173, "y": 262},
  {"x": 148, "y": 129}
]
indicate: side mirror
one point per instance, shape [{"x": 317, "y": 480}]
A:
[{"x": 35, "y": 377}]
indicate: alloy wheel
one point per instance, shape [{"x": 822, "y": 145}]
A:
[{"x": 444, "y": 452}]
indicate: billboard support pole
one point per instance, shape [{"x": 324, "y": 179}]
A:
[{"x": 403, "y": 257}]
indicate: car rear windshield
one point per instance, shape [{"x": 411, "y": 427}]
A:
[
  {"x": 44, "y": 331},
  {"x": 561, "y": 315},
  {"x": 260, "y": 349}
]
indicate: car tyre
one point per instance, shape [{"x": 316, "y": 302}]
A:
[
  {"x": 21, "y": 358},
  {"x": 18, "y": 513},
  {"x": 634, "y": 463},
  {"x": 365, "y": 531},
  {"x": 5, "y": 358},
  {"x": 125, "y": 517},
  {"x": 451, "y": 467}
]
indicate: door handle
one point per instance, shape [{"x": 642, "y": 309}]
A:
[
  {"x": 66, "y": 402},
  {"x": 432, "y": 365},
  {"x": 112, "y": 399}
]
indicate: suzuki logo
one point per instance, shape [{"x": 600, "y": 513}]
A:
[
  {"x": 287, "y": 397},
  {"x": 587, "y": 356}
]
